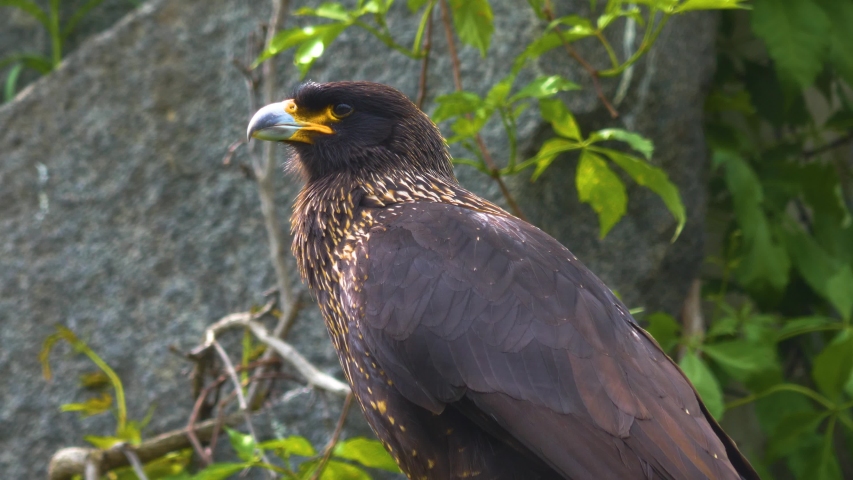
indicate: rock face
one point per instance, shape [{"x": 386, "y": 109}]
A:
[{"x": 119, "y": 220}]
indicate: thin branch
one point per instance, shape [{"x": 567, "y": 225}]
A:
[
  {"x": 134, "y": 462},
  {"x": 838, "y": 142},
  {"x": 425, "y": 49},
  {"x": 276, "y": 236},
  {"x": 238, "y": 389},
  {"x": 75, "y": 460},
  {"x": 306, "y": 369},
  {"x": 494, "y": 171},
  {"x": 549, "y": 14},
  {"x": 330, "y": 447}
]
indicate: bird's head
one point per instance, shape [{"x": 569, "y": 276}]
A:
[{"x": 356, "y": 127}]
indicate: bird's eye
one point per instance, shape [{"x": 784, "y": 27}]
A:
[{"x": 341, "y": 110}]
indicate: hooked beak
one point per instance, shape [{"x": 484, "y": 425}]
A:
[{"x": 275, "y": 123}]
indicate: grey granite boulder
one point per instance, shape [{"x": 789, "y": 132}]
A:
[{"x": 118, "y": 219}]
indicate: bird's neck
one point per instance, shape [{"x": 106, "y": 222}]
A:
[{"x": 337, "y": 208}]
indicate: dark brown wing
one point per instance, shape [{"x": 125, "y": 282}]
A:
[{"x": 466, "y": 308}]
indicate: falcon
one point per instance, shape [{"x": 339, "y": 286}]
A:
[{"x": 476, "y": 344}]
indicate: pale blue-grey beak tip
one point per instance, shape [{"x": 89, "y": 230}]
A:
[{"x": 272, "y": 123}]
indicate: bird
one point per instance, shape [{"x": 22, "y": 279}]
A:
[{"x": 477, "y": 345}]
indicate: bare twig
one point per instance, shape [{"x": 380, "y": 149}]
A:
[
  {"x": 226, "y": 160},
  {"x": 330, "y": 447},
  {"x": 451, "y": 45},
  {"x": 838, "y": 142},
  {"x": 494, "y": 171},
  {"x": 308, "y": 371},
  {"x": 691, "y": 314},
  {"x": 426, "y": 48},
  {"x": 549, "y": 14},
  {"x": 75, "y": 460},
  {"x": 238, "y": 389},
  {"x": 134, "y": 462}
]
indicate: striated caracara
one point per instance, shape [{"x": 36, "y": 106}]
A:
[{"x": 477, "y": 345}]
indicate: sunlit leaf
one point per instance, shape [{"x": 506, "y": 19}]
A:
[
  {"x": 602, "y": 189},
  {"x": 244, "y": 445},
  {"x": 832, "y": 367},
  {"x": 561, "y": 119},
  {"x": 343, "y": 471},
  {"x": 548, "y": 153},
  {"x": 94, "y": 380},
  {"x": 220, "y": 471},
  {"x": 473, "y": 21},
  {"x": 92, "y": 406},
  {"x": 455, "y": 104},
  {"x": 635, "y": 140},
  {"x": 367, "y": 452},
  {"x": 580, "y": 26},
  {"x": 653, "y": 178},
  {"x": 705, "y": 383},
  {"x": 545, "y": 86},
  {"x": 293, "y": 445},
  {"x": 415, "y": 5},
  {"x": 102, "y": 442},
  {"x": 796, "y": 33},
  {"x": 333, "y": 11},
  {"x": 708, "y": 5}
]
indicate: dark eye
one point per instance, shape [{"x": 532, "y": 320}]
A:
[{"x": 341, "y": 110}]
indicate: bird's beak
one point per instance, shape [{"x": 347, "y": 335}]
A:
[{"x": 281, "y": 122}]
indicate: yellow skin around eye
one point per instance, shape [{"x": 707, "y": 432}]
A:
[{"x": 313, "y": 122}]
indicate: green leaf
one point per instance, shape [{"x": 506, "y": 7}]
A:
[
  {"x": 548, "y": 153},
  {"x": 415, "y": 5},
  {"x": 220, "y": 471},
  {"x": 797, "y": 36},
  {"x": 791, "y": 430},
  {"x": 705, "y": 383},
  {"x": 832, "y": 367},
  {"x": 813, "y": 263},
  {"x": 824, "y": 466},
  {"x": 665, "y": 330},
  {"x": 92, "y": 406},
  {"x": 473, "y": 22},
  {"x": 293, "y": 445},
  {"x": 635, "y": 140},
  {"x": 102, "y": 442},
  {"x": 765, "y": 264},
  {"x": 367, "y": 452},
  {"x": 743, "y": 360},
  {"x": 602, "y": 189},
  {"x": 544, "y": 87},
  {"x": 333, "y": 11},
  {"x": 561, "y": 119},
  {"x": 840, "y": 15},
  {"x": 498, "y": 93},
  {"x": 311, "y": 42},
  {"x": 244, "y": 445},
  {"x": 801, "y": 326},
  {"x": 78, "y": 15},
  {"x": 839, "y": 289},
  {"x": 708, "y": 5},
  {"x": 581, "y": 27},
  {"x": 653, "y": 178},
  {"x": 456, "y": 104},
  {"x": 343, "y": 471},
  {"x": 30, "y": 8}
]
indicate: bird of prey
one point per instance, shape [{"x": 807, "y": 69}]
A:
[{"x": 476, "y": 344}]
